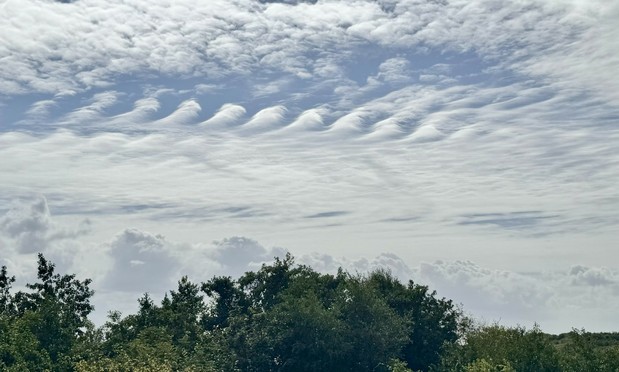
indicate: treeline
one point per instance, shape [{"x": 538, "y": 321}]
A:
[{"x": 283, "y": 317}]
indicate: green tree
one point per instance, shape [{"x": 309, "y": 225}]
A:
[
  {"x": 432, "y": 323},
  {"x": 481, "y": 365},
  {"x": 20, "y": 350},
  {"x": 289, "y": 318},
  {"x": 6, "y": 298},
  {"x": 521, "y": 349},
  {"x": 228, "y": 301},
  {"x": 54, "y": 313},
  {"x": 375, "y": 333},
  {"x": 181, "y": 314},
  {"x": 581, "y": 353},
  {"x": 307, "y": 336}
]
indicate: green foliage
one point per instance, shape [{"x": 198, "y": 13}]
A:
[
  {"x": 584, "y": 352},
  {"x": 20, "y": 350},
  {"x": 481, "y": 365},
  {"x": 396, "y": 365},
  {"x": 289, "y": 318},
  {"x": 283, "y": 317},
  {"x": 6, "y": 299},
  {"x": 45, "y": 323},
  {"x": 432, "y": 322},
  {"x": 523, "y": 350},
  {"x": 374, "y": 332}
]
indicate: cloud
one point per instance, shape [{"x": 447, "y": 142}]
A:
[
  {"x": 587, "y": 276},
  {"x": 308, "y": 120},
  {"x": 498, "y": 294},
  {"x": 237, "y": 255},
  {"x": 326, "y": 263},
  {"x": 228, "y": 114},
  {"x": 188, "y": 41},
  {"x": 512, "y": 220},
  {"x": 94, "y": 110},
  {"x": 264, "y": 120},
  {"x": 393, "y": 71},
  {"x": 327, "y": 214},
  {"x": 555, "y": 299},
  {"x": 141, "y": 262},
  {"x": 186, "y": 113},
  {"x": 29, "y": 228},
  {"x": 551, "y": 298},
  {"x": 410, "y": 146},
  {"x": 146, "y": 262}
]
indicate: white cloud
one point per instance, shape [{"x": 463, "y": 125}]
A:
[
  {"x": 556, "y": 300},
  {"x": 394, "y": 71},
  {"x": 141, "y": 262},
  {"x": 186, "y": 113},
  {"x": 237, "y": 255},
  {"x": 93, "y": 111},
  {"x": 187, "y": 40},
  {"x": 28, "y": 227},
  {"x": 228, "y": 114},
  {"x": 264, "y": 120}
]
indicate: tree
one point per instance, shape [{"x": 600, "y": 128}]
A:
[
  {"x": 20, "y": 349},
  {"x": 181, "y": 314},
  {"x": 286, "y": 317},
  {"x": 263, "y": 287},
  {"x": 227, "y": 300},
  {"x": 481, "y": 365},
  {"x": 375, "y": 333},
  {"x": 581, "y": 353},
  {"x": 431, "y": 322},
  {"x": 6, "y": 299},
  {"x": 517, "y": 348},
  {"x": 71, "y": 296},
  {"x": 50, "y": 318},
  {"x": 306, "y": 335}
]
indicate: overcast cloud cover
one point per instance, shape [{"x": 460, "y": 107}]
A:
[{"x": 471, "y": 145}]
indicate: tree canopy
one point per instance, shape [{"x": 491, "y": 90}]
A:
[{"x": 282, "y": 317}]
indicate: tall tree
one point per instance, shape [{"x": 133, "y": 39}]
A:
[
  {"x": 6, "y": 298},
  {"x": 54, "y": 312},
  {"x": 432, "y": 322}
]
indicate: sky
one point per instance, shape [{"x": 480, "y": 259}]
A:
[{"x": 468, "y": 145}]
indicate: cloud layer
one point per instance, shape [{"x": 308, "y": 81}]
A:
[{"x": 471, "y": 144}]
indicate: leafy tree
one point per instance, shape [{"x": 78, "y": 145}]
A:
[
  {"x": 518, "y": 348},
  {"x": 397, "y": 365},
  {"x": 20, "y": 350},
  {"x": 262, "y": 288},
  {"x": 181, "y": 313},
  {"x": 432, "y": 323},
  {"x": 375, "y": 332},
  {"x": 228, "y": 301},
  {"x": 290, "y": 318},
  {"x": 581, "y": 353},
  {"x": 306, "y": 335},
  {"x": 481, "y": 365},
  {"x": 69, "y": 296},
  {"x": 6, "y": 298},
  {"x": 54, "y": 313}
]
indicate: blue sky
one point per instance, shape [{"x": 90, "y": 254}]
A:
[{"x": 469, "y": 145}]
